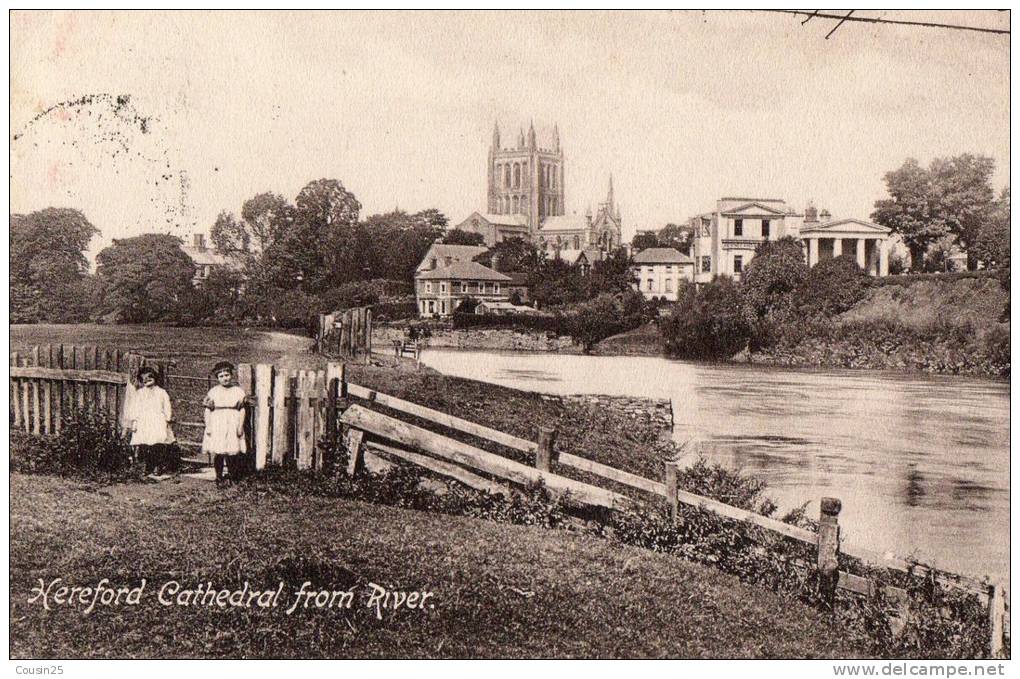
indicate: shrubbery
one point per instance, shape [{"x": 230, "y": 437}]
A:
[
  {"x": 833, "y": 286},
  {"x": 88, "y": 445},
  {"x": 707, "y": 324}
]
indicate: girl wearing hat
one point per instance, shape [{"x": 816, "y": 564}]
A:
[
  {"x": 224, "y": 422},
  {"x": 148, "y": 416}
]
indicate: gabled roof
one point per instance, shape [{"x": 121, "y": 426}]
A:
[
  {"x": 456, "y": 253},
  {"x": 204, "y": 256},
  {"x": 472, "y": 271},
  {"x": 591, "y": 254},
  {"x": 849, "y": 224},
  {"x": 662, "y": 256},
  {"x": 504, "y": 220},
  {"x": 563, "y": 223},
  {"x": 755, "y": 205}
]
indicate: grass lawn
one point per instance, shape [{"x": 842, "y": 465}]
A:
[{"x": 498, "y": 590}]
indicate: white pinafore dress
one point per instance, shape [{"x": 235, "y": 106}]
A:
[{"x": 223, "y": 417}]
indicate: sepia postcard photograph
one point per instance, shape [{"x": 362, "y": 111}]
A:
[{"x": 510, "y": 335}]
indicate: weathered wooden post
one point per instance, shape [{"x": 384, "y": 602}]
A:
[
  {"x": 996, "y": 613},
  {"x": 354, "y": 451},
  {"x": 546, "y": 453},
  {"x": 282, "y": 424},
  {"x": 671, "y": 480},
  {"x": 263, "y": 389},
  {"x": 828, "y": 548}
]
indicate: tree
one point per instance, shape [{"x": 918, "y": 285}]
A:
[
  {"x": 145, "y": 278},
  {"x": 460, "y": 237},
  {"x": 48, "y": 267},
  {"x": 643, "y": 241},
  {"x": 709, "y": 323},
  {"x": 908, "y": 210},
  {"x": 834, "y": 285},
  {"x": 992, "y": 243},
  {"x": 590, "y": 322},
  {"x": 610, "y": 275},
  {"x": 952, "y": 197},
  {"x": 397, "y": 242},
  {"x": 678, "y": 236},
  {"x": 513, "y": 255},
  {"x": 963, "y": 196},
  {"x": 774, "y": 274}
]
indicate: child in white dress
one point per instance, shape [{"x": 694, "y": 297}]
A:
[
  {"x": 224, "y": 423},
  {"x": 147, "y": 415}
]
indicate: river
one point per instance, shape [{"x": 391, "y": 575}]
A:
[{"x": 921, "y": 463}]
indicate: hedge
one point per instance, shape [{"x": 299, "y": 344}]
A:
[
  {"x": 542, "y": 322},
  {"x": 911, "y": 278}
]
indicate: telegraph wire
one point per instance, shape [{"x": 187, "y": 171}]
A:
[{"x": 875, "y": 20}]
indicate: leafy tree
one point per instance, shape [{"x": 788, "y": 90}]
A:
[
  {"x": 145, "y": 278},
  {"x": 590, "y": 322},
  {"x": 777, "y": 270},
  {"x": 643, "y": 241},
  {"x": 678, "y": 236},
  {"x": 953, "y": 196},
  {"x": 397, "y": 241},
  {"x": 433, "y": 218},
  {"x": 265, "y": 219},
  {"x": 611, "y": 275},
  {"x": 992, "y": 243},
  {"x": 908, "y": 210},
  {"x": 461, "y": 237},
  {"x": 349, "y": 295},
  {"x": 708, "y": 323},
  {"x": 834, "y": 285},
  {"x": 48, "y": 268},
  {"x": 217, "y": 301},
  {"x": 513, "y": 255}
]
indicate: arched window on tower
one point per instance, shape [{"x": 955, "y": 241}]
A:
[
  {"x": 577, "y": 242},
  {"x": 555, "y": 171},
  {"x": 515, "y": 205},
  {"x": 517, "y": 175},
  {"x": 506, "y": 175}
]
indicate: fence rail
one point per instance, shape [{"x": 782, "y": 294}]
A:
[{"x": 291, "y": 411}]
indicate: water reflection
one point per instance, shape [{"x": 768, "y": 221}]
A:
[{"x": 920, "y": 462}]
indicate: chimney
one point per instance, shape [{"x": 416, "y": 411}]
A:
[
  {"x": 199, "y": 241},
  {"x": 810, "y": 214},
  {"x": 825, "y": 216}
]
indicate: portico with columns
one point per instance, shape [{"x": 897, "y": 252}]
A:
[{"x": 868, "y": 242}]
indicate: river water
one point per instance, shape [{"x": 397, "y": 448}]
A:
[{"x": 921, "y": 463}]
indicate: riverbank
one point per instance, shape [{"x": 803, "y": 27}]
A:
[{"x": 496, "y": 590}]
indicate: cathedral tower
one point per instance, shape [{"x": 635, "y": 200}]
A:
[{"x": 526, "y": 180}]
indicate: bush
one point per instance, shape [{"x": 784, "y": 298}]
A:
[
  {"x": 349, "y": 296},
  {"x": 394, "y": 311},
  {"x": 88, "y": 445},
  {"x": 834, "y": 285},
  {"x": 542, "y": 322},
  {"x": 707, "y": 324},
  {"x": 773, "y": 277}
]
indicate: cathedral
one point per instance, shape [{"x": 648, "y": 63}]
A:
[{"x": 526, "y": 199}]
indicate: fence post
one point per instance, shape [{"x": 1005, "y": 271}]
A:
[
  {"x": 16, "y": 391},
  {"x": 354, "y": 461},
  {"x": 305, "y": 420},
  {"x": 336, "y": 384},
  {"x": 828, "y": 548},
  {"x": 672, "y": 497},
  {"x": 281, "y": 390},
  {"x": 545, "y": 455},
  {"x": 368, "y": 336},
  {"x": 263, "y": 387},
  {"x": 996, "y": 613}
]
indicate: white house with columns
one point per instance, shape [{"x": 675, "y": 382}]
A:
[{"x": 725, "y": 239}]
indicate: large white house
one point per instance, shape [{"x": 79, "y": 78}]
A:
[
  {"x": 726, "y": 238},
  {"x": 659, "y": 272}
]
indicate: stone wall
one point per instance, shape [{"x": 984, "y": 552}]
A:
[
  {"x": 498, "y": 339},
  {"x": 655, "y": 412}
]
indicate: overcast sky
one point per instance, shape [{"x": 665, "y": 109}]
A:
[{"x": 682, "y": 108}]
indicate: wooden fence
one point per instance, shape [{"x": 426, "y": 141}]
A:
[
  {"x": 49, "y": 380},
  {"x": 345, "y": 334},
  {"x": 292, "y": 410}
]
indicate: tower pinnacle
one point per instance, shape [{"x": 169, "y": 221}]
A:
[
  {"x": 531, "y": 135},
  {"x": 556, "y": 137},
  {"x": 495, "y": 137}
]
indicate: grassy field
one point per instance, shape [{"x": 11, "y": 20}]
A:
[{"x": 498, "y": 590}]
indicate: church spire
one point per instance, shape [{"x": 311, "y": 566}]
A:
[
  {"x": 609, "y": 196},
  {"x": 520, "y": 138},
  {"x": 495, "y": 137},
  {"x": 531, "y": 135}
]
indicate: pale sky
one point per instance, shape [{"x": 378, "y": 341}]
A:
[{"x": 681, "y": 107}]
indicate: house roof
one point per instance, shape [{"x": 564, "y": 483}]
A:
[
  {"x": 518, "y": 278},
  {"x": 456, "y": 253},
  {"x": 504, "y": 220},
  {"x": 755, "y": 205},
  {"x": 564, "y": 223},
  {"x": 849, "y": 224},
  {"x": 203, "y": 256},
  {"x": 662, "y": 256},
  {"x": 472, "y": 271},
  {"x": 591, "y": 254}
]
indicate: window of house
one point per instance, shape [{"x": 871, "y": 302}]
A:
[
  {"x": 442, "y": 308},
  {"x": 738, "y": 263},
  {"x": 495, "y": 287},
  {"x": 669, "y": 285},
  {"x": 706, "y": 264},
  {"x": 766, "y": 229},
  {"x": 442, "y": 288},
  {"x": 428, "y": 286},
  {"x": 432, "y": 307},
  {"x": 651, "y": 285},
  {"x": 456, "y": 286},
  {"x": 738, "y": 227}
]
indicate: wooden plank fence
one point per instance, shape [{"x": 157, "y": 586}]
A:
[
  {"x": 291, "y": 411},
  {"x": 49, "y": 381},
  {"x": 345, "y": 334}
]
